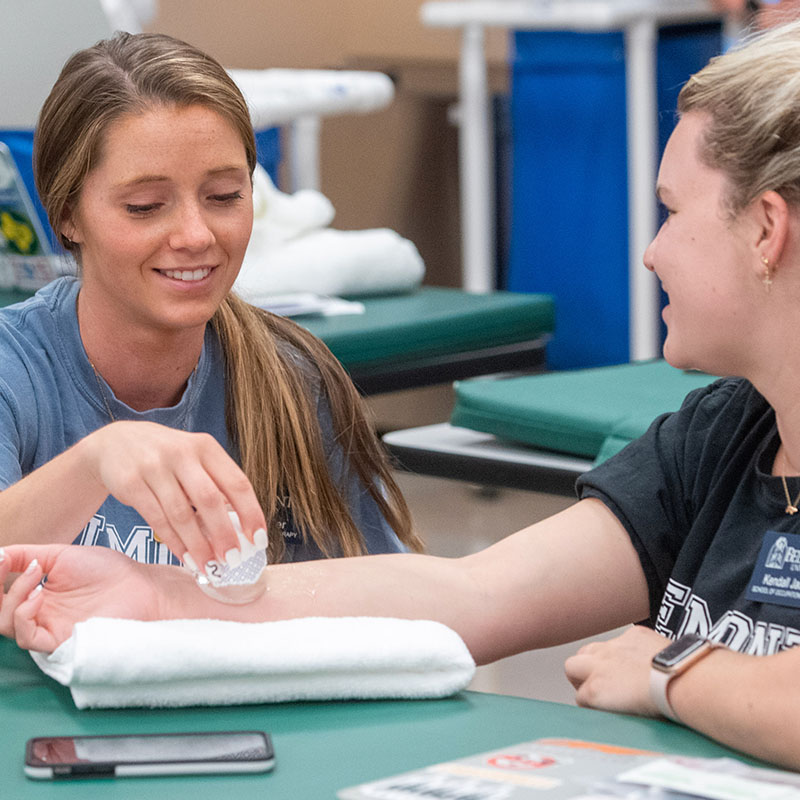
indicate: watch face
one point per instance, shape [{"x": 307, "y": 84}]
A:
[{"x": 677, "y": 651}]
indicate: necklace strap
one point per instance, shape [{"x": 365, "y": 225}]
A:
[
  {"x": 102, "y": 392},
  {"x": 791, "y": 507},
  {"x": 110, "y": 413}
]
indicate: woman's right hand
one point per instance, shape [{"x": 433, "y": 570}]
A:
[
  {"x": 82, "y": 582},
  {"x": 181, "y": 483}
]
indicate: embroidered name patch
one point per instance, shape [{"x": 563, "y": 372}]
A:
[{"x": 776, "y": 577}]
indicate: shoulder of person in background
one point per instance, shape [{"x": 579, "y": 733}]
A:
[
  {"x": 731, "y": 6},
  {"x": 775, "y": 12}
]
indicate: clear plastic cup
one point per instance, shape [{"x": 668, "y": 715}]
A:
[{"x": 243, "y": 583}]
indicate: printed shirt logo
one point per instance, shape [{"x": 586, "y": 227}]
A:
[
  {"x": 682, "y": 611},
  {"x": 139, "y": 543},
  {"x": 781, "y": 553},
  {"x": 776, "y": 573},
  {"x": 284, "y": 519}
]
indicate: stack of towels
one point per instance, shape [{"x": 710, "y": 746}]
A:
[{"x": 293, "y": 249}]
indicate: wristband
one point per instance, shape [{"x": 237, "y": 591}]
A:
[{"x": 674, "y": 660}]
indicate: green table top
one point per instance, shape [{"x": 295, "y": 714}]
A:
[{"x": 319, "y": 747}]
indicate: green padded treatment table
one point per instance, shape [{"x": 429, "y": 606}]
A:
[
  {"x": 436, "y": 335},
  {"x": 432, "y": 335},
  {"x": 319, "y": 747},
  {"x": 9, "y": 296},
  {"x": 541, "y": 431},
  {"x": 587, "y": 412}
]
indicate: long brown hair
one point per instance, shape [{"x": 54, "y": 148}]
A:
[
  {"x": 272, "y": 390},
  {"x": 273, "y": 409}
]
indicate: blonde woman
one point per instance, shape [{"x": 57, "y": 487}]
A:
[{"x": 142, "y": 400}]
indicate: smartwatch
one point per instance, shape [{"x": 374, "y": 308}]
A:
[{"x": 672, "y": 661}]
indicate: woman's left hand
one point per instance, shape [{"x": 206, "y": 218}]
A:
[{"x": 615, "y": 675}]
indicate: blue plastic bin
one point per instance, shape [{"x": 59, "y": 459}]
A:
[
  {"x": 268, "y": 146},
  {"x": 20, "y": 143},
  {"x": 569, "y": 190}
]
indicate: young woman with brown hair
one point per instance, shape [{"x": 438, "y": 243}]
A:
[{"x": 142, "y": 400}]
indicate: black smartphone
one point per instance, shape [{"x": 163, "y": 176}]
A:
[{"x": 52, "y": 757}]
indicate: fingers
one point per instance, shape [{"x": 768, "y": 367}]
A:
[
  {"x": 577, "y": 669},
  {"x": 213, "y": 486},
  {"x": 581, "y": 671},
  {"x": 238, "y": 491},
  {"x": 614, "y": 674},
  {"x": 208, "y": 505},
  {"x": 4, "y": 570},
  {"x": 29, "y": 634},
  {"x": 182, "y": 484},
  {"x": 17, "y": 557},
  {"x": 196, "y": 505},
  {"x": 168, "y": 510},
  {"x": 17, "y": 593}
]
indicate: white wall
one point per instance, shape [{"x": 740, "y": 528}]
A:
[{"x": 36, "y": 38}]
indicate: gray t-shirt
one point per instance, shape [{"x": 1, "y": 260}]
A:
[{"x": 50, "y": 399}]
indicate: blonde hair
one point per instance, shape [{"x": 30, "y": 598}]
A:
[
  {"x": 751, "y": 95},
  {"x": 272, "y": 391}
]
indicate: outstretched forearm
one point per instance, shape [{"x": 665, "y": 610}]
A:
[
  {"x": 398, "y": 585},
  {"x": 527, "y": 591}
]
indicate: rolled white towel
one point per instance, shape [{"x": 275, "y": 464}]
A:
[{"x": 116, "y": 663}]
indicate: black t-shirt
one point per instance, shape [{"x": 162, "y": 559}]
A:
[{"x": 697, "y": 497}]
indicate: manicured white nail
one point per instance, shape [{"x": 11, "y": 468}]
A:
[
  {"x": 190, "y": 562},
  {"x": 32, "y": 566},
  {"x": 2, "y": 555},
  {"x": 234, "y": 517},
  {"x": 35, "y": 591},
  {"x": 246, "y": 547},
  {"x": 260, "y": 539},
  {"x": 233, "y": 557}
]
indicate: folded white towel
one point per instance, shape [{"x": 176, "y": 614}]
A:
[
  {"x": 292, "y": 250},
  {"x": 115, "y": 663},
  {"x": 278, "y": 217},
  {"x": 332, "y": 262}
]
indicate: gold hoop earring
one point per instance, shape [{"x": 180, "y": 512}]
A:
[{"x": 767, "y": 279}]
